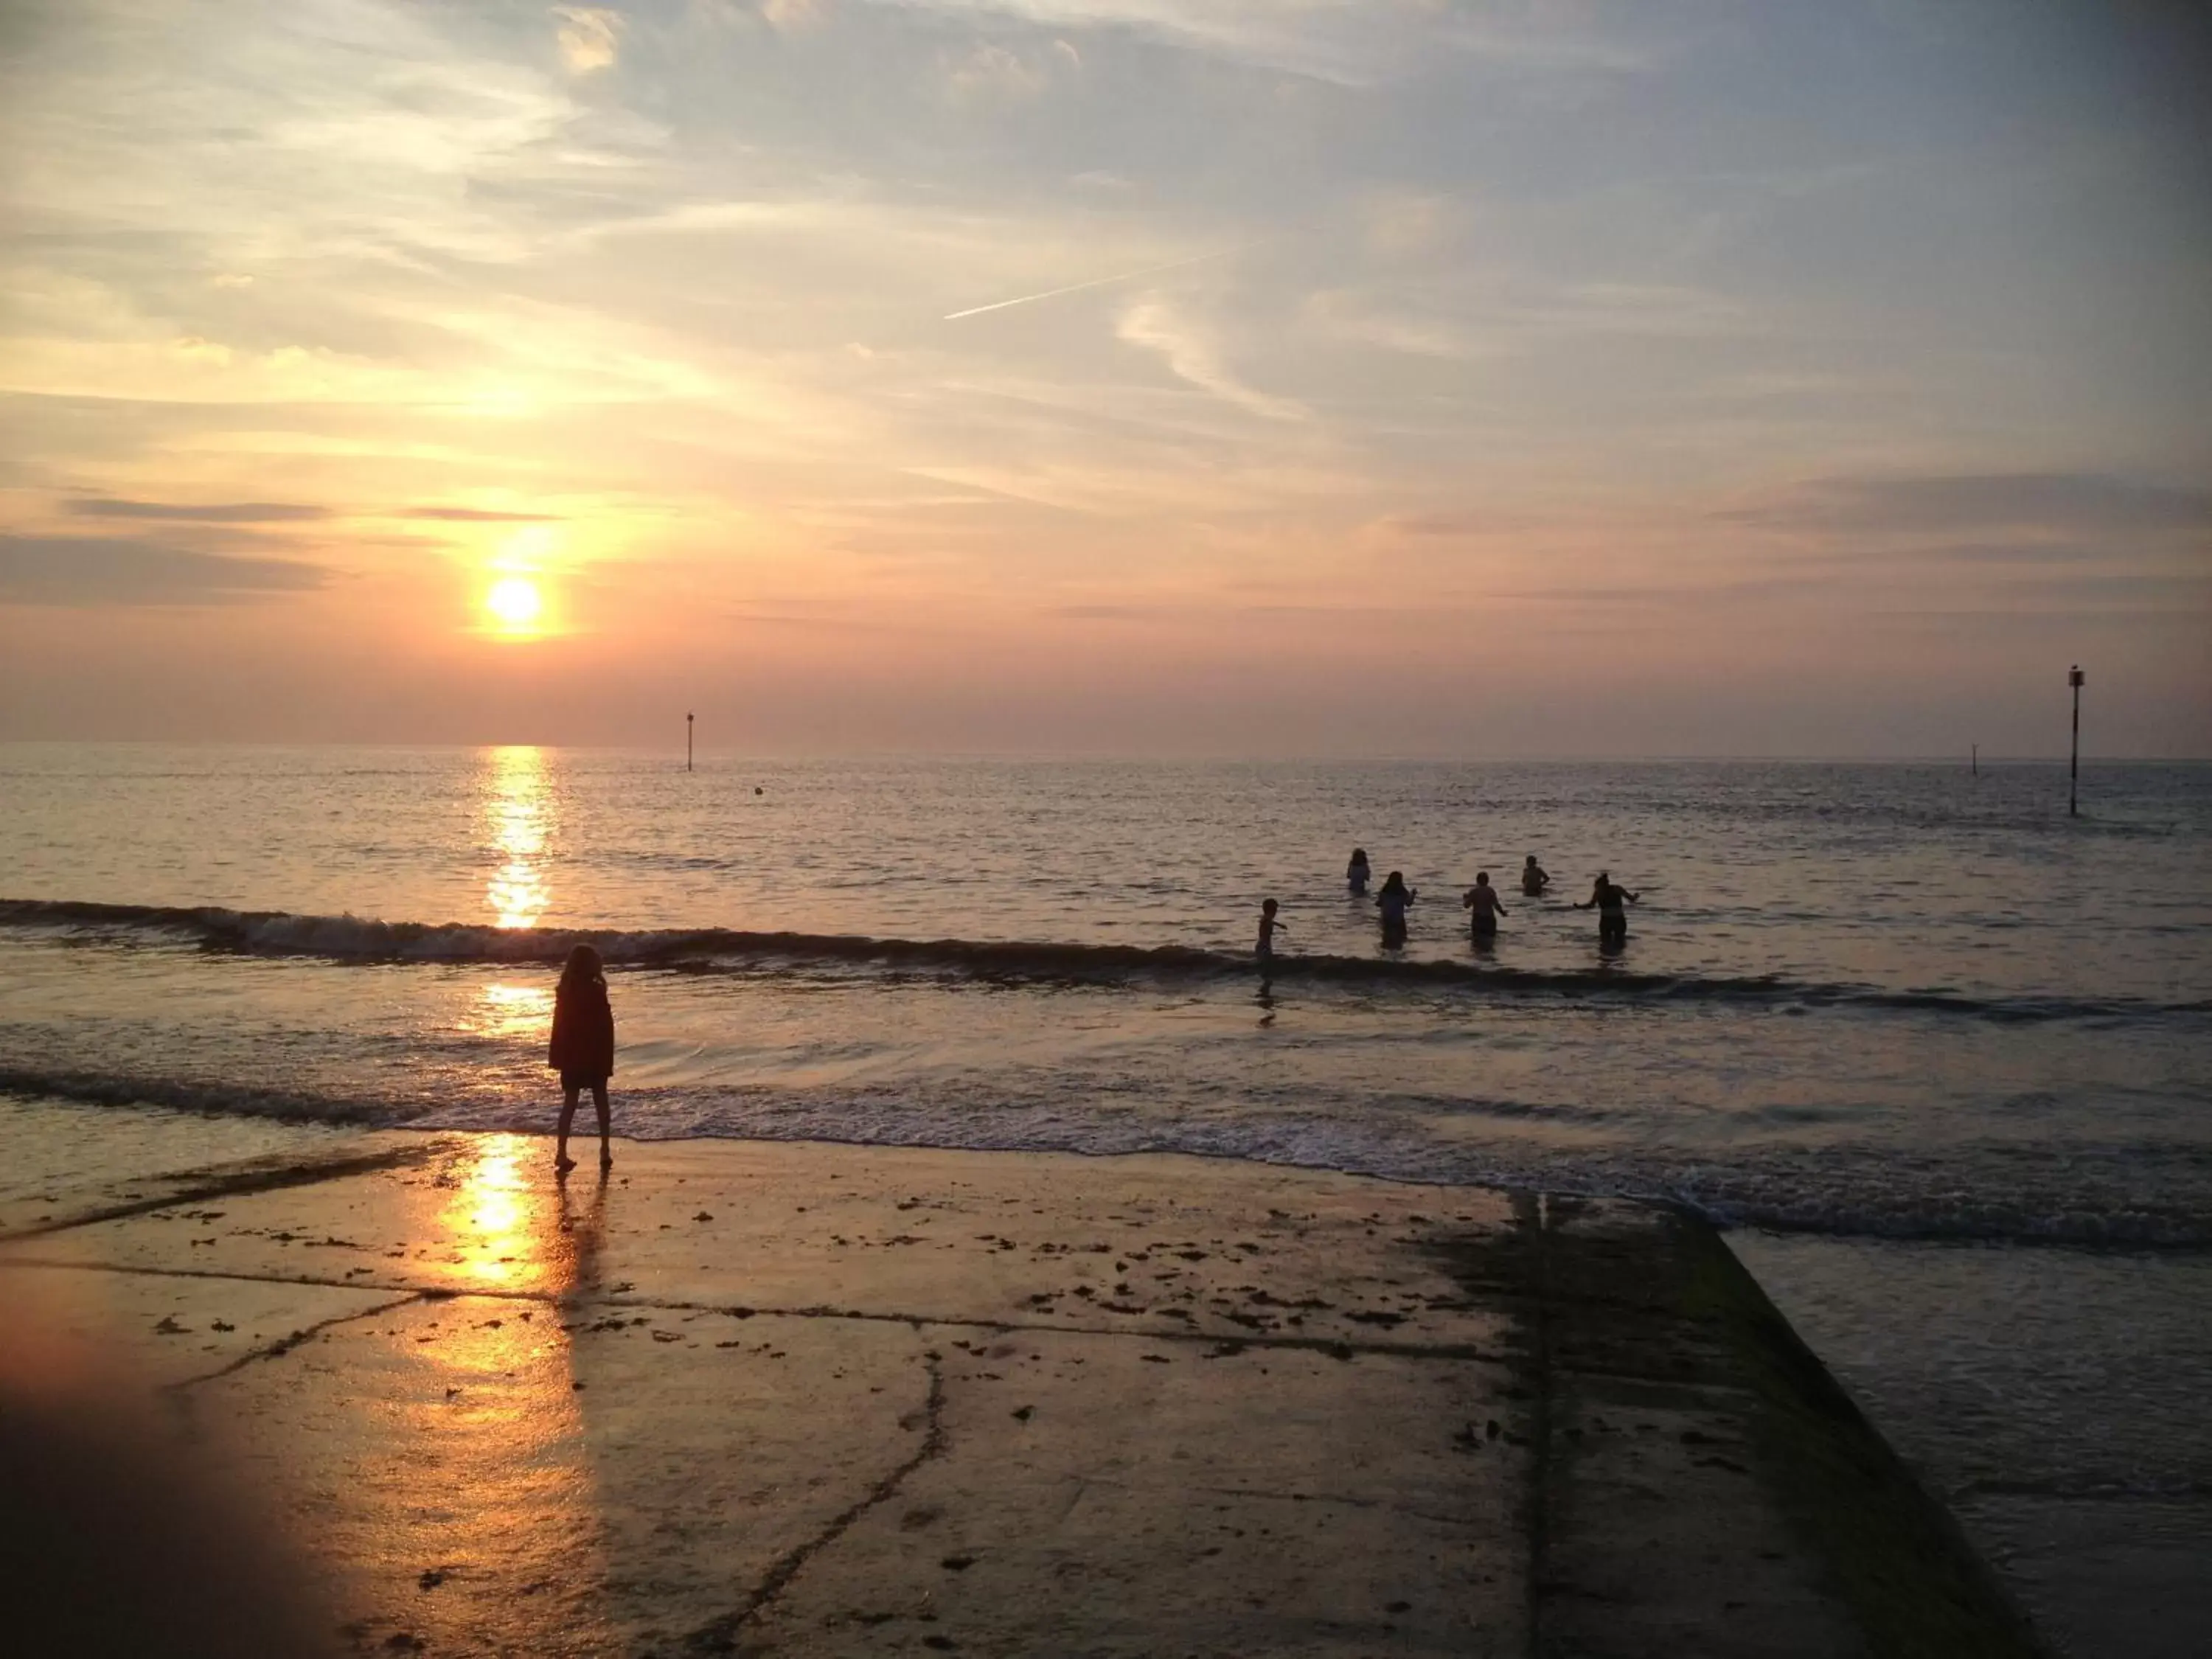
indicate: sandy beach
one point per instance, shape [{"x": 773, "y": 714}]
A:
[{"x": 815, "y": 1399}]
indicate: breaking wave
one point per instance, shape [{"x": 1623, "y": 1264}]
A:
[{"x": 348, "y": 939}]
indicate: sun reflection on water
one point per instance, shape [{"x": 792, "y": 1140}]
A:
[
  {"x": 506, "y": 1010},
  {"x": 518, "y": 816}
]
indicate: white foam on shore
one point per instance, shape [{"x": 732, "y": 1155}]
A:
[{"x": 2082, "y": 1200}]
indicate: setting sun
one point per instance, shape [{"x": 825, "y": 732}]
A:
[{"x": 515, "y": 603}]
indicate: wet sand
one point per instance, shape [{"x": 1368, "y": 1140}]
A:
[{"x": 807, "y": 1399}]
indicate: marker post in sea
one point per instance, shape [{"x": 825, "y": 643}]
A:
[
  {"x": 688, "y": 718},
  {"x": 2074, "y": 766}
]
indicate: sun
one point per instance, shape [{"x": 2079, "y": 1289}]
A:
[{"x": 515, "y": 603}]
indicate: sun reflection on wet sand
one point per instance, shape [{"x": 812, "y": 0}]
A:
[
  {"x": 518, "y": 816},
  {"x": 500, "y": 1230},
  {"x": 515, "y": 1504}
]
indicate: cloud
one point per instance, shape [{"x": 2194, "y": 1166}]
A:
[
  {"x": 1642, "y": 311},
  {"x": 1400, "y": 224},
  {"x": 1087, "y": 284},
  {"x": 108, "y": 507},
  {"x": 1980, "y": 500},
  {"x": 2000, "y": 553},
  {"x": 1674, "y": 596},
  {"x": 1154, "y": 325},
  {"x": 478, "y": 515},
  {"x": 65, "y": 570},
  {"x": 788, "y": 15},
  {"x": 587, "y": 37},
  {"x": 1347, "y": 41},
  {"x": 1336, "y": 315},
  {"x": 1451, "y": 525},
  {"x": 1108, "y": 612},
  {"x": 988, "y": 72}
]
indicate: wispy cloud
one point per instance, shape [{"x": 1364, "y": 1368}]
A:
[
  {"x": 587, "y": 36},
  {"x": 1155, "y": 324},
  {"x": 1451, "y": 525},
  {"x": 1356, "y": 319},
  {"x": 793, "y": 14},
  {"x": 1111, "y": 612},
  {"x": 1980, "y": 500},
  {"x": 478, "y": 515},
  {"x": 1088, "y": 283},
  {"x": 1349, "y": 41},
  {"x": 66, "y": 570},
  {"x": 197, "y": 514},
  {"x": 985, "y": 72},
  {"x": 100, "y": 506}
]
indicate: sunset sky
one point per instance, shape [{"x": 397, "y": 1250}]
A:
[{"x": 1388, "y": 376}]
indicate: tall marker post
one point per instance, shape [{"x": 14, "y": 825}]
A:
[
  {"x": 687, "y": 741},
  {"x": 2074, "y": 766}
]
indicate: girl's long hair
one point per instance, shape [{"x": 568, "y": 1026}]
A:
[{"x": 582, "y": 967}]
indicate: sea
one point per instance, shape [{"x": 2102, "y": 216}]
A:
[{"x": 1938, "y": 1051}]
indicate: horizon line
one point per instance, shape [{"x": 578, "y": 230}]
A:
[{"x": 1128, "y": 757}]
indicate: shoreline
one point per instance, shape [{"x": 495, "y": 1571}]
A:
[
  {"x": 1259, "y": 1407},
  {"x": 1554, "y": 1170}
]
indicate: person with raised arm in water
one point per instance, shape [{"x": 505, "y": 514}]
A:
[
  {"x": 1355, "y": 873},
  {"x": 1265, "y": 951},
  {"x": 1606, "y": 897},
  {"x": 1482, "y": 899},
  {"x": 1392, "y": 901},
  {"x": 582, "y": 1049},
  {"x": 1534, "y": 881}
]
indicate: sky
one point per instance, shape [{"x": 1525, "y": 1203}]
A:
[{"x": 1145, "y": 377}]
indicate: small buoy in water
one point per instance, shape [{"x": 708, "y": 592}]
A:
[{"x": 757, "y": 789}]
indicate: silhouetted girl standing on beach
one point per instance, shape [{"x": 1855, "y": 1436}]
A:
[{"x": 583, "y": 1047}]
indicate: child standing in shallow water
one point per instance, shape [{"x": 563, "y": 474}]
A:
[
  {"x": 1266, "y": 949},
  {"x": 583, "y": 1048}
]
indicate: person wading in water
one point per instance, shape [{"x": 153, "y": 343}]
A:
[
  {"x": 1482, "y": 899},
  {"x": 1392, "y": 900},
  {"x": 1606, "y": 897},
  {"x": 1356, "y": 873}
]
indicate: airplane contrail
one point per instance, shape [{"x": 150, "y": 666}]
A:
[{"x": 1096, "y": 282}]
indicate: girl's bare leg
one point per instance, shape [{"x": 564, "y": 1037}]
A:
[
  {"x": 599, "y": 1105},
  {"x": 562, "y": 1161}
]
